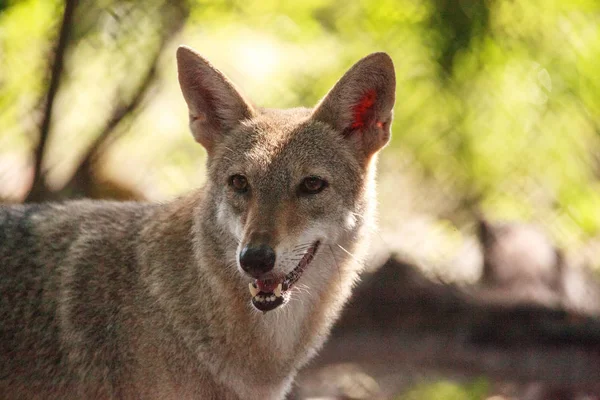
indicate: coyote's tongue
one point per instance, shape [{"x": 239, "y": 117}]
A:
[{"x": 267, "y": 286}]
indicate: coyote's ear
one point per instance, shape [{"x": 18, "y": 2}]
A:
[
  {"x": 215, "y": 105},
  {"x": 360, "y": 104}
]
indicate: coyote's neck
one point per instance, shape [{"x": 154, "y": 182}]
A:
[
  {"x": 206, "y": 300},
  {"x": 281, "y": 340}
]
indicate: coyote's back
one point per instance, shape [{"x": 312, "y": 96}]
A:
[{"x": 65, "y": 279}]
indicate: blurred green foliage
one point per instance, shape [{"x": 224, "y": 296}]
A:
[
  {"x": 27, "y": 30},
  {"x": 498, "y": 102},
  {"x": 448, "y": 390}
]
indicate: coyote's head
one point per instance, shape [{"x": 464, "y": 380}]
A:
[{"x": 285, "y": 183}]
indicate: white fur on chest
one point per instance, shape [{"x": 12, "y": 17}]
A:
[
  {"x": 297, "y": 330},
  {"x": 284, "y": 327}
]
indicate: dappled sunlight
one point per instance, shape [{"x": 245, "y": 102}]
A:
[
  {"x": 497, "y": 114},
  {"x": 503, "y": 117},
  {"x": 258, "y": 58}
]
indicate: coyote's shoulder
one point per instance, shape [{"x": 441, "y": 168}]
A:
[{"x": 222, "y": 293}]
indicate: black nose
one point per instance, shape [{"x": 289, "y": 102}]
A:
[{"x": 257, "y": 260}]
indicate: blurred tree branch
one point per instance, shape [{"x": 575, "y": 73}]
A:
[
  {"x": 56, "y": 72},
  {"x": 82, "y": 182},
  {"x": 458, "y": 25}
]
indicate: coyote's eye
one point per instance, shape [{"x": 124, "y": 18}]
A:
[
  {"x": 312, "y": 185},
  {"x": 239, "y": 183}
]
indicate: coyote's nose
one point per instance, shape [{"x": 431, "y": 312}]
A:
[{"x": 257, "y": 260}]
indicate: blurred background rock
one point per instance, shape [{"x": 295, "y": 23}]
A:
[{"x": 497, "y": 112}]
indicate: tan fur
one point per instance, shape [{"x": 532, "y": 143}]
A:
[{"x": 133, "y": 300}]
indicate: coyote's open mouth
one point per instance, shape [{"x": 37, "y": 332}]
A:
[{"x": 268, "y": 294}]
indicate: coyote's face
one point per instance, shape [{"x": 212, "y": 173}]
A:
[
  {"x": 284, "y": 192},
  {"x": 287, "y": 183}
]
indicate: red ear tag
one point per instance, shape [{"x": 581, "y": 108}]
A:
[
  {"x": 379, "y": 124},
  {"x": 361, "y": 109}
]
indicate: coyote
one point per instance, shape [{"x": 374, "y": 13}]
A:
[{"x": 223, "y": 293}]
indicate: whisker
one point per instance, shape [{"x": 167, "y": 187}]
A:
[
  {"x": 296, "y": 299},
  {"x": 360, "y": 262},
  {"x": 302, "y": 247},
  {"x": 304, "y": 244},
  {"x": 373, "y": 227},
  {"x": 346, "y": 251},
  {"x": 307, "y": 244},
  {"x": 337, "y": 266},
  {"x": 303, "y": 289},
  {"x": 296, "y": 258}
]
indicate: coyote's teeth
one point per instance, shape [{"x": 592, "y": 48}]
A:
[
  {"x": 253, "y": 290},
  {"x": 277, "y": 290}
]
